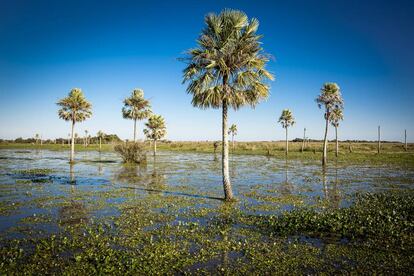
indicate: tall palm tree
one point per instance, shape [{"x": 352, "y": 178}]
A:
[
  {"x": 233, "y": 132},
  {"x": 286, "y": 120},
  {"x": 227, "y": 69},
  {"x": 336, "y": 116},
  {"x": 136, "y": 108},
  {"x": 100, "y": 136},
  {"x": 330, "y": 98},
  {"x": 155, "y": 130},
  {"x": 74, "y": 108}
]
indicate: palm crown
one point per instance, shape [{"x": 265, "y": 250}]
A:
[
  {"x": 100, "y": 134},
  {"x": 233, "y": 129},
  {"x": 74, "y": 107},
  {"x": 228, "y": 66},
  {"x": 336, "y": 116},
  {"x": 156, "y": 128},
  {"x": 136, "y": 107},
  {"x": 330, "y": 97},
  {"x": 286, "y": 118}
]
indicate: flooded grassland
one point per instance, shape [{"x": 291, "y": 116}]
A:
[{"x": 291, "y": 216}]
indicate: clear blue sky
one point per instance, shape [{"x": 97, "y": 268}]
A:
[{"x": 107, "y": 48}]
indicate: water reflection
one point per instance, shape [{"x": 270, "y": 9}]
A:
[
  {"x": 286, "y": 187},
  {"x": 330, "y": 190},
  {"x": 73, "y": 212}
]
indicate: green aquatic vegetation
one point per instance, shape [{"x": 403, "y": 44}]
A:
[
  {"x": 35, "y": 172},
  {"x": 385, "y": 217}
]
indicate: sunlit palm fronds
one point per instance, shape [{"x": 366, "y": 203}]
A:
[
  {"x": 74, "y": 107},
  {"x": 228, "y": 65},
  {"x": 286, "y": 119}
]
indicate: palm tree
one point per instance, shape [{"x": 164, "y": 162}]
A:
[
  {"x": 101, "y": 136},
  {"x": 136, "y": 108},
  {"x": 331, "y": 98},
  {"x": 86, "y": 138},
  {"x": 155, "y": 130},
  {"x": 233, "y": 132},
  {"x": 286, "y": 120},
  {"x": 74, "y": 108},
  {"x": 227, "y": 69},
  {"x": 37, "y": 137},
  {"x": 336, "y": 116}
]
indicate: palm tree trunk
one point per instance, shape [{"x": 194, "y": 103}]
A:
[
  {"x": 379, "y": 139},
  {"x": 72, "y": 146},
  {"x": 232, "y": 142},
  {"x": 303, "y": 141},
  {"x": 155, "y": 147},
  {"x": 135, "y": 129},
  {"x": 337, "y": 144},
  {"x": 100, "y": 143},
  {"x": 325, "y": 140},
  {"x": 228, "y": 193},
  {"x": 287, "y": 143},
  {"x": 405, "y": 140}
]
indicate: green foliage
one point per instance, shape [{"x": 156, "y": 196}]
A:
[
  {"x": 136, "y": 107},
  {"x": 383, "y": 217},
  {"x": 156, "y": 128},
  {"x": 228, "y": 65},
  {"x": 286, "y": 118},
  {"x": 233, "y": 130},
  {"x": 331, "y": 98},
  {"x": 74, "y": 107},
  {"x": 132, "y": 152},
  {"x": 34, "y": 172}
]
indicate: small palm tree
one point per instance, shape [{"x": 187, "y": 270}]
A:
[
  {"x": 37, "y": 137},
  {"x": 74, "y": 108},
  {"x": 233, "y": 132},
  {"x": 100, "y": 136},
  {"x": 136, "y": 108},
  {"x": 336, "y": 116},
  {"x": 330, "y": 98},
  {"x": 227, "y": 69},
  {"x": 86, "y": 138},
  {"x": 155, "y": 130},
  {"x": 286, "y": 120}
]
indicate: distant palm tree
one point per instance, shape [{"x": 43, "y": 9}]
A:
[
  {"x": 336, "y": 116},
  {"x": 155, "y": 130},
  {"x": 100, "y": 136},
  {"x": 227, "y": 69},
  {"x": 76, "y": 138},
  {"x": 37, "y": 137},
  {"x": 74, "y": 108},
  {"x": 136, "y": 108},
  {"x": 331, "y": 98},
  {"x": 286, "y": 120},
  {"x": 86, "y": 138},
  {"x": 233, "y": 132}
]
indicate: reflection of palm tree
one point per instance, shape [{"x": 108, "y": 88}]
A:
[
  {"x": 286, "y": 187},
  {"x": 72, "y": 179},
  {"x": 157, "y": 178},
  {"x": 331, "y": 194}
]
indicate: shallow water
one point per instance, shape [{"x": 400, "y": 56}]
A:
[{"x": 262, "y": 185}]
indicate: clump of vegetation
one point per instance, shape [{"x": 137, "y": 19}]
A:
[
  {"x": 132, "y": 152},
  {"x": 387, "y": 218},
  {"x": 34, "y": 172}
]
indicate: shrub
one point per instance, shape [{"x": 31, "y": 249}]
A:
[{"x": 132, "y": 152}]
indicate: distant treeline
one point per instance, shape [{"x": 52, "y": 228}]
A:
[
  {"x": 345, "y": 141},
  {"x": 107, "y": 138}
]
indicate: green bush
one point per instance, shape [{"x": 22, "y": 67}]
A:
[{"x": 132, "y": 152}]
